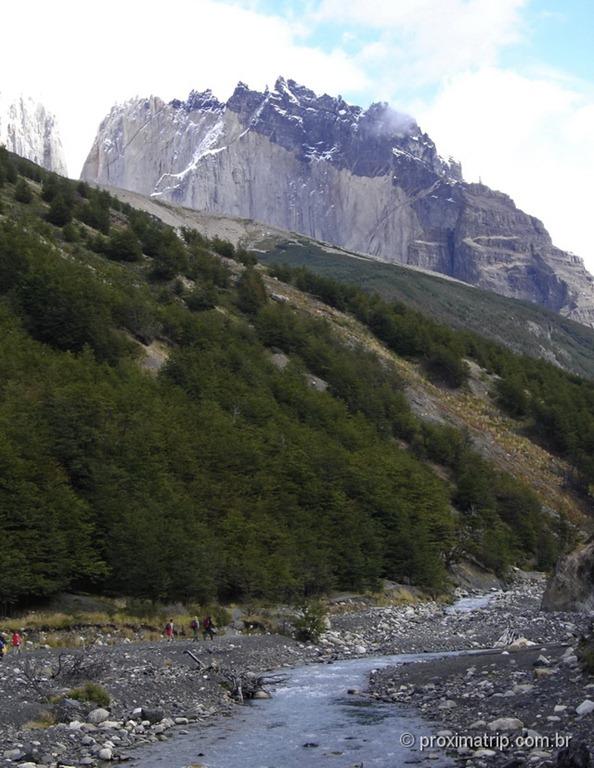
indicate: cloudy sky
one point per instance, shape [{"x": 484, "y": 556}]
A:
[{"x": 505, "y": 86}]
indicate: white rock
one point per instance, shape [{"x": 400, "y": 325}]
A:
[
  {"x": 585, "y": 708},
  {"x": 105, "y": 754},
  {"x": 521, "y": 642},
  {"x": 506, "y": 724},
  {"x": 97, "y": 716},
  {"x": 29, "y": 130},
  {"x": 523, "y": 688}
]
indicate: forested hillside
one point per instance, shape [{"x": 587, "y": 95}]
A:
[
  {"x": 167, "y": 430},
  {"x": 521, "y": 326}
]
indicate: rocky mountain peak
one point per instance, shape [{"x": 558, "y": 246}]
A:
[
  {"x": 198, "y": 101},
  {"x": 370, "y": 180},
  {"x": 29, "y": 130}
]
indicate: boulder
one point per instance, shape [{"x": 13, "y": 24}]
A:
[
  {"x": 66, "y": 710},
  {"x": 98, "y": 716},
  {"x": 585, "y": 708},
  {"x": 505, "y": 724},
  {"x": 152, "y": 715},
  {"x": 572, "y": 586}
]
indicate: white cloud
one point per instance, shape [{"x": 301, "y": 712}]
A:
[
  {"x": 80, "y": 58},
  {"x": 530, "y": 137},
  {"x": 425, "y": 40}
]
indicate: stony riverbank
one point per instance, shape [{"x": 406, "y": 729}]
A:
[
  {"x": 519, "y": 704},
  {"x": 156, "y": 690}
]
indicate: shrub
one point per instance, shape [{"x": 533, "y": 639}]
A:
[
  {"x": 247, "y": 258},
  {"x": 223, "y": 247},
  {"x": 443, "y": 365},
  {"x": 251, "y": 292},
  {"x": 310, "y": 623},
  {"x": 91, "y": 692},
  {"x": 22, "y": 192},
  {"x": 202, "y": 298},
  {"x": 123, "y": 245},
  {"x": 60, "y": 211}
]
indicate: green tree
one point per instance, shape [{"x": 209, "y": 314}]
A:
[
  {"x": 22, "y": 191},
  {"x": 251, "y": 291},
  {"x": 60, "y": 211},
  {"x": 123, "y": 245}
]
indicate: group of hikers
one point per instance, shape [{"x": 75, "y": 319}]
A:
[
  {"x": 16, "y": 641},
  {"x": 208, "y": 629}
]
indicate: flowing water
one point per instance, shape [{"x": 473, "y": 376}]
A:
[
  {"x": 468, "y": 604},
  {"x": 311, "y": 722}
]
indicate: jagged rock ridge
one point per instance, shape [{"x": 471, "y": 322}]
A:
[
  {"x": 369, "y": 180},
  {"x": 29, "y": 130}
]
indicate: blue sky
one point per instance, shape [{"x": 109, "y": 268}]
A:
[
  {"x": 552, "y": 35},
  {"x": 504, "y": 86}
]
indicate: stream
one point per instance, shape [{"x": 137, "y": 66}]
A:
[{"x": 311, "y": 721}]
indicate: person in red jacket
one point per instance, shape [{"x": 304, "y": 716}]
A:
[
  {"x": 169, "y": 631},
  {"x": 208, "y": 628},
  {"x": 16, "y": 642}
]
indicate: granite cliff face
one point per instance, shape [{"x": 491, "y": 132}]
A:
[
  {"x": 29, "y": 130},
  {"x": 368, "y": 180}
]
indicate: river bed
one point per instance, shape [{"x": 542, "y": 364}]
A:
[{"x": 311, "y": 721}]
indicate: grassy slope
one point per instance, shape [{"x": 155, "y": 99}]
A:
[{"x": 522, "y": 326}]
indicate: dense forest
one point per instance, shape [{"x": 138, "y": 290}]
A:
[
  {"x": 558, "y": 407},
  {"x": 224, "y": 475}
]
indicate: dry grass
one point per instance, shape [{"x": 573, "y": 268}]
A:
[
  {"x": 121, "y": 620},
  {"x": 45, "y": 720}
]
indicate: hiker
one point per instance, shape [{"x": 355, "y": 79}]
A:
[
  {"x": 169, "y": 631},
  {"x": 208, "y": 628},
  {"x": 195, "y": 626},
  {"x": 16, "y": 642},
  {"x": 2, "y": 646}
]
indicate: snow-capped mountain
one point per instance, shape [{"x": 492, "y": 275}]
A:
[
  {"x": 369, "y": 180},
  {"x": 29, "y": 130}
]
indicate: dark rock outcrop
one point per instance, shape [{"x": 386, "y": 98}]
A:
[{"x": 572, "y": 586}]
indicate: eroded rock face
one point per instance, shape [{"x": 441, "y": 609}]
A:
[
  {"x": 29, "y": 130},
  {"x": 572, "y": 586},
  {"x": 368, "y": 180}
]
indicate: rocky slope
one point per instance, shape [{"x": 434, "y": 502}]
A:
[
  {"x": 369, "y": 180},
  {"x": 29, "y": 130}
]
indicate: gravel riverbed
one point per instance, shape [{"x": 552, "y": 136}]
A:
[{"x": 158, "y": 690}]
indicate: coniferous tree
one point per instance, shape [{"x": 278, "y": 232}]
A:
[
  {"x": 22, "y": 191},
  {"x": 251, "y": 291}
]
